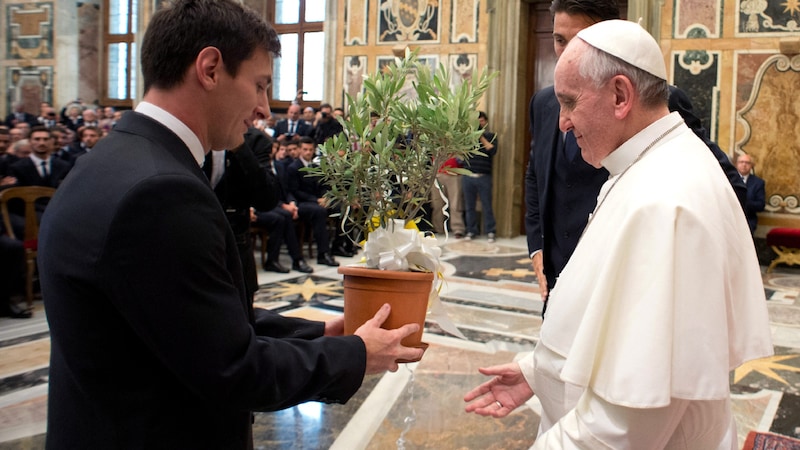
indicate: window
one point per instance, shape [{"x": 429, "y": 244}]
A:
[
  {"x": 119, "y": 56},
  {"x": 299, "y": 24}
]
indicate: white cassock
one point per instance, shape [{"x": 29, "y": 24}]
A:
[{"x": 660, "y": 301}]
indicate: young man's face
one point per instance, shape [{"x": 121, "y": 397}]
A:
[
  {"x": 565, "y": 27},
  {"x": 41, "y": 143},
  {"x": 240, "y": 101},
  {"x": 90, "y": 137}
]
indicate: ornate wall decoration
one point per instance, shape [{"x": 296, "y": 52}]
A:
[
  {"x": 774, "y": 17},
  {"x": 461, "y": 67},
  {"x": 356, "y": 22},
  {"x": 355, "y": 67},
  {"x": 771, "y": 123},
  {"x": 431, "y": 61},
  {"x": 30, "y": 85},
  {"x": 464, "y": 20},
  {"x": 691, "y": 15},
  {"x": 697, "y": 73},
  {"x": 408, "y": 20},
  {"x": 29, "y": 31}
]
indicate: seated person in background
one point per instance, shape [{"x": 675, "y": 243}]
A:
[
  {"x": 292, "y": 125},
  {"x": 756, "y": 193},
  {"x": 39, "y": 168},
  {"x": 12, "y": 277},
  {"x": 312, "y": 206},
  {"x": 88, "y": 137}
]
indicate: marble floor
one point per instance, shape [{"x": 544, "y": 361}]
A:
[{"x": 491, "y": 294}]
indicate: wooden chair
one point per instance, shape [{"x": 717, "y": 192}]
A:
[
  {"x": 29, "y": 195},
  {"x": 262, "y": 235}
]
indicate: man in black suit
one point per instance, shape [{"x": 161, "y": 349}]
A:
[
  {"x": 154, "y": 344},
  {"x": 241, "y": 183},
  {"x": 311, "y": 203},
  {"x": 560, "y": 187},
  {"x": 292, "y": 126},
  {"x": 39, "y": 169},
  {"x": 756, "y": 192},
  {"x": 20, "y": 116}
]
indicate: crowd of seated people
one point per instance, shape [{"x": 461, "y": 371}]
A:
[{"x": 39, "y": 150}]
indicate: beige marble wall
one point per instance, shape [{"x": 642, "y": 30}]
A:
[{"x": 741, "y": 60}]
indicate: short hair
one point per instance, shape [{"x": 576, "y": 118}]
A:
[
  {"x": 307, "y": 140},
  {"x": 20, "y": 143},
  {"x": 482, "y": 115},
  {"x": 39, "y": 129},
  {"x": 84, "y": 129},
  {"x": 177, "y": 34},
  {"x": 3, "y": 129},
  {"x": 598, "y": 10},
  {"x": 326, "y": 105},
  {"x": 599, "y": 66}
]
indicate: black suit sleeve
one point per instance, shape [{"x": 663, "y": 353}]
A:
[
  {"x": 679, "y": 101},
  {"x": 165, "y": 266},
  {"x": 533, "y": 227}
]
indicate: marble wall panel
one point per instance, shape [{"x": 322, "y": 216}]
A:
[
  {"x": 89, "y": 22},
  {"x": 30, "y": 85},
  {"x": 408, "y": 21},
  {"x": 697, "y": 73},
  {"x": 774, "y": 18},
  {"x": 29, "y": 31},
  {"x": 770, "y": 123},
  {"x": 356, "y": 22},
  {"x": 695, "y": 19},
  {"x": 461, "y": 67},
  {"x": 464, "y": 20},
  {"x": 355, "y": 67}
]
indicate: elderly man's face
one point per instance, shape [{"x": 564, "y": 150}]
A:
[
  {"x": 16, "y": 134},
  {"x": 587, "y": 111},
  {"x": 744, "y": 164},
  {"x": 293, "y": 113}
]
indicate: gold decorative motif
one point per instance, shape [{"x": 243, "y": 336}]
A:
[
  {"x": 766, "y": 367},
  {"x": 307, "y": 289}
]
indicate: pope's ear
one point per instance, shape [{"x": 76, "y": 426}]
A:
[
  {"x": 207, "y": 67},
  {"x": 624, "y": 95}
]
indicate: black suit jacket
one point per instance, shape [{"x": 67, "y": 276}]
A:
[
  {"x": 153, "y": 342},
  {"x": 244, "y": 184},
  {"x": 756, "y": 200},
  {"x": 11, "y": 120},
  {"x": 301, "y": 186},
  {"x": 27, "y": 173},
  {"x": 303, "y": 128},
  {"x": 540, "y": 182}
]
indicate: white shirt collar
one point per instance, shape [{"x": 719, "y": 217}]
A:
[
  {"x": 38, "y": 161},
  {"x": 174, "y": 124},
  {"x": 626, "y": 153}
]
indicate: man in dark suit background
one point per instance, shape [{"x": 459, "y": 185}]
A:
[
  {"x": 560, "y": 187},
  {"x": 153, "y": 341},
  {"x": 19, "y": 115},
  {"x": 756, "y": 192},
  {"x": 292, "y": 125},
  {"x": 240, "y": 183},
  {"x": 40, "y": 169}
]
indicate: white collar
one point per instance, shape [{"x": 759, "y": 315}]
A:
[
  {"x": 626, "y": 153},
  {"x": 175, "y": 125}
]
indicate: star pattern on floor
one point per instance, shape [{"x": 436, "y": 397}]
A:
[
  {"x": 515, "y": 273},
  {"x": 766, "y": 367},
  {"x": 307, "y": 289}
]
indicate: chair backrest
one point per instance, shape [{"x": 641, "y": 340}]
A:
[{"x": 29, "y": 195}]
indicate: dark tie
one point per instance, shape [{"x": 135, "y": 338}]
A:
[
  {"x": 571, "y": 148},
  {"x": 45, "y": 175},
  {"x": 208, "y": 166},
  {"x": 293, "y": 127}
]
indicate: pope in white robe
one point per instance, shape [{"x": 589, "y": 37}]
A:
[{"x": 662, "y": 297}]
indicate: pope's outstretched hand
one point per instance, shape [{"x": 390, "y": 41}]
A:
[{"x": 497, "y": 397}]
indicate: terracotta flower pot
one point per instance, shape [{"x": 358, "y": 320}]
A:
[{"x": 366, "y": 290}]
